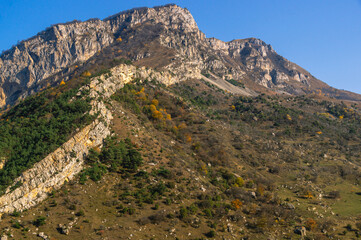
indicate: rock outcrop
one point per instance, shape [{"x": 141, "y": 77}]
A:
[
  {"x": 63, "y": 46},
  {"x": 68, "y": 160},
  {"x": 49, "y": 52}
]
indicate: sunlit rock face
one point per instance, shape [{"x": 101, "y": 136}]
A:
[{"x": 61, "y": 47}]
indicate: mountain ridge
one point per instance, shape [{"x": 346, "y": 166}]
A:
[
  {"x": 61, "y": 48},
  {"x": 144, "y": 128}
]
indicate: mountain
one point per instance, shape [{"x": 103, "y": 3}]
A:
[
  {"x": 139, "y": 127},
  {"x": 163, "y": 37}
]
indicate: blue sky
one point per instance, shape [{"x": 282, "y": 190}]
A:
[{"x": 322, "y": 36}]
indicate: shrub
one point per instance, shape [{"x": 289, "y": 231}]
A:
[
  {"x": 80, "y": 213},
  {"x": 260, "y": 190},
  {"x": 208, "y": 212},
  {"x": 239, "y": 182},
  {"x": 349, "y": 227},
  {"x": 310, "y": 224},
  {"x": 211, "y": 234},
  {"x": 15, "y": 213},
  {"x": 16, "y": 224},
  {"x": 236, "y": 204},
  {"x": 158, "y": 189},
  {"x": 86, "y": 74},
  {"x": 39, "y": 221},
  {"x": 183, "y": 213},
  {"x": 159, "y": 217},
  {"x": 163, "y": 173}
]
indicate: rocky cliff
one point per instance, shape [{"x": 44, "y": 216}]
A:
[
  {"x": 64, "y": 163},
  {"x": 58, "y": 47},
  {"x": 63, "y": 45},
  {"x": 166, "y": 37}
]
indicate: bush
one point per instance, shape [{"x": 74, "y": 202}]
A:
[
  {"x": 80, "y": 213},
  {"x": 239, "y": 182},
  {"x": 183, "y": 213},
  {"x": 117, "y": 154},
  {"x": 158, "y": 189},
  {"x": 211, "y": 234},
  {"x": 15, "y": 214},
  {"x": 16, "y": 224},
  {"x": 310, "y": 224},
  {"x": 39, "y": 221}
]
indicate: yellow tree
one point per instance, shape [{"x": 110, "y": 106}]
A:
[{"x": 155, "y": 102}]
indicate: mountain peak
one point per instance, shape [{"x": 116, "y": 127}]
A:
[
  {"x": 170, "y": 15},
  {"x": 164, "y": 36}
]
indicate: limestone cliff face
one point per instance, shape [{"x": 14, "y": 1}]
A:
[
  {"x": 64, "y": 163},
  {"x": 171, "y": 16},
  {"x": 31, "y": 61},
  {"x": 174, "y": 33},
  {"x": 64, "y": 45},
  {"x": 259, "y": 59}
]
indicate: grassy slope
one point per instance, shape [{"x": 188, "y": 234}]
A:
[{"x": 201, "y": 151}]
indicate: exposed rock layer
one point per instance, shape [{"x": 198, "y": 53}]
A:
[
  {"x": 65, "y": 162},
  {"x": 63, "y": 46}
]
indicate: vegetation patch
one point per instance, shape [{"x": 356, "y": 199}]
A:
[{"x": 37, "y": 126}]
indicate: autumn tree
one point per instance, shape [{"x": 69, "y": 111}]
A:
[
  {"x": 260, "y": 190},
  {"x": 236, "y": 204},
  {"x": 155, "y": 102},
  {"x": 239, "y": 182},
  {"x": 86, "y": 74},
  {"x": 310, "y": 224}
]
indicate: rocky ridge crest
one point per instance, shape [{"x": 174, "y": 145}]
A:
[{"x": 63, "y": 47}]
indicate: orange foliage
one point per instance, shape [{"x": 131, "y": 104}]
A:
[
  {"x": 62, "y": 82},
  {"x": 182, "y": 126},
  {"x": 204, "y": 169},
  {"x": 97, "y": 149},
  {"x": 310, "y": 224},
  {"x": 188, "y": 138},
  {"x": 308, "y": 194},
  {"x": 141, "y": 94},
  {"x": 236, "y": 204},
  {"x": 86, "y": 74},
  {"x": 152, "y": 108},
  {"x": 157, "y": 115},
  {"x": 155, "y": 102}
]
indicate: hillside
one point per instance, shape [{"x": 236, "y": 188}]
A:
[{"x": 139, "y": 127}]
